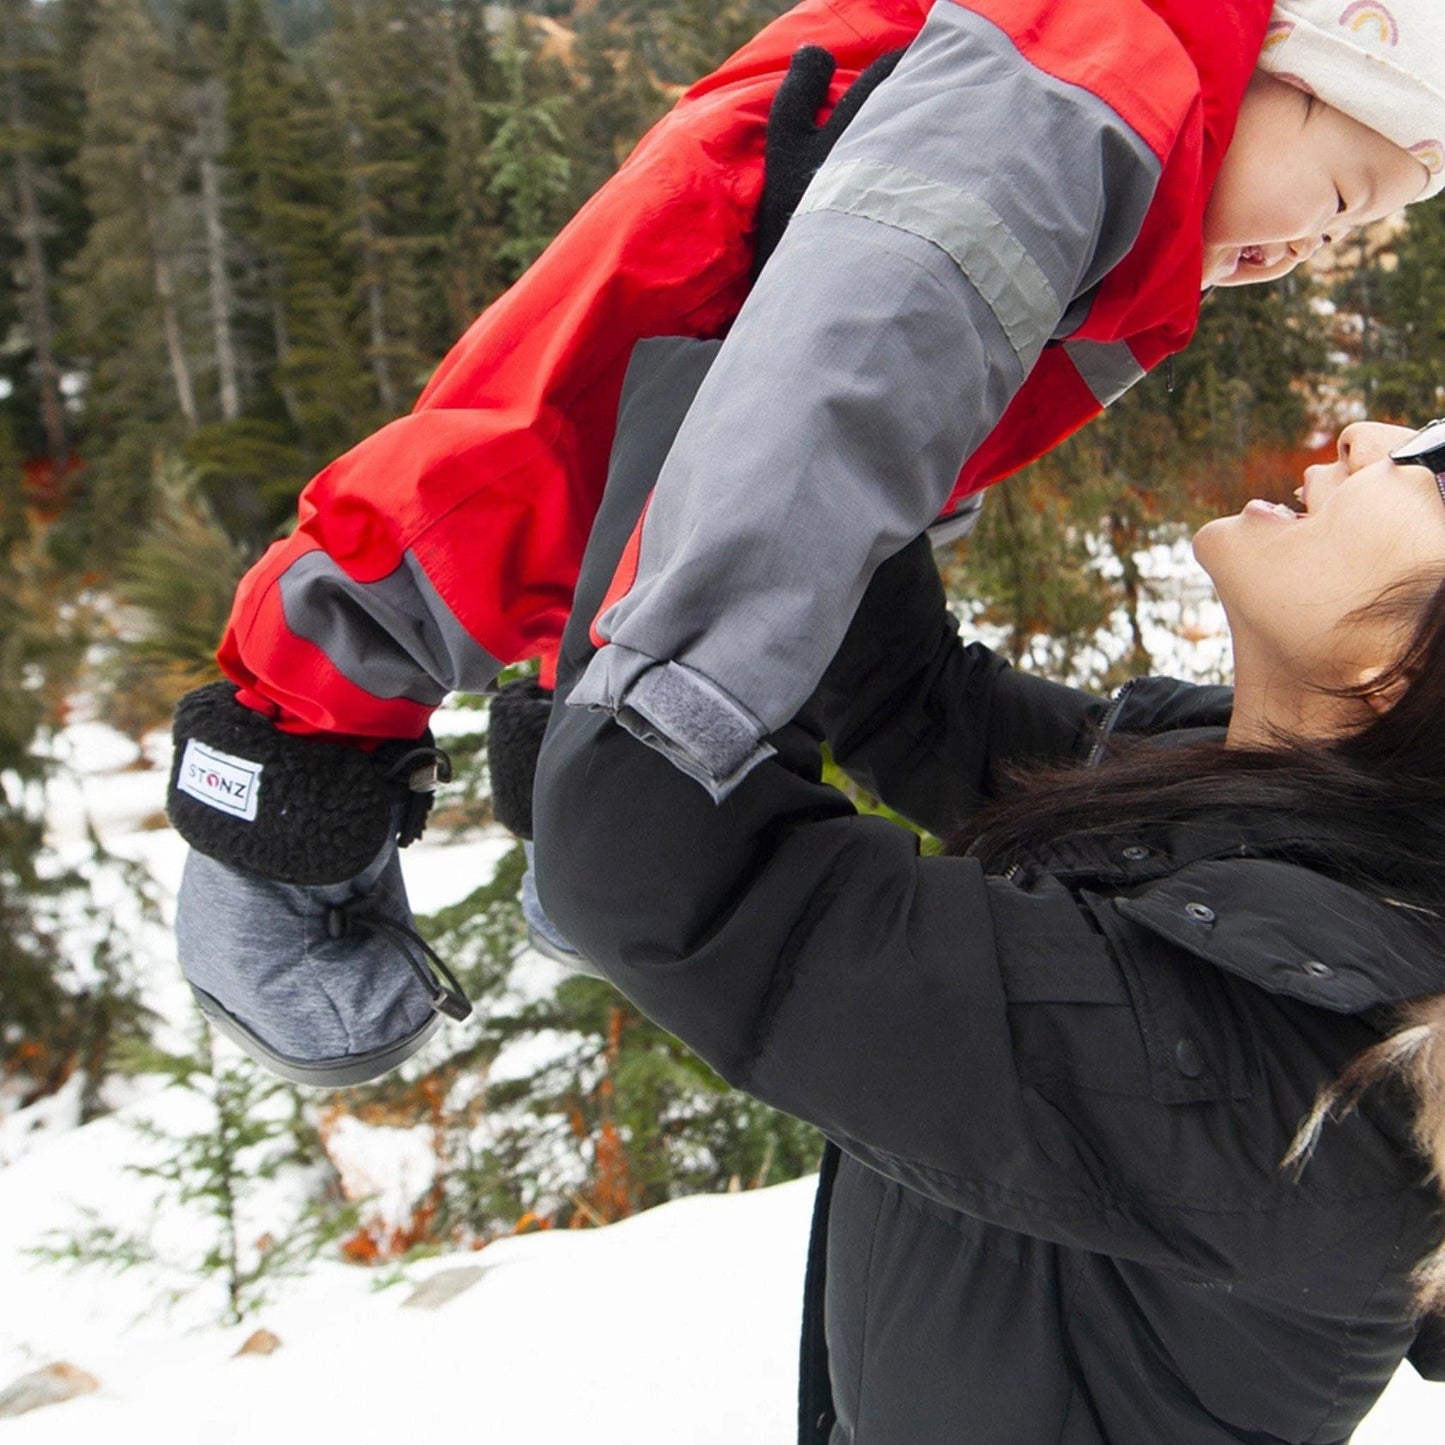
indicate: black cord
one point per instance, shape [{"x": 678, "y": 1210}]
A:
[{"x": 443, "y": 991}]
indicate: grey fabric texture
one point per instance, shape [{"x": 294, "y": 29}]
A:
[
  {"x": 261, "y": 950},
  {"x": 542, "y": 933},
  {"x": 719, "y": 740},
  {"x": 393, "y": 638},
  {"x": 956, "y": 221},
  {"x": 1109, "y": 369}
]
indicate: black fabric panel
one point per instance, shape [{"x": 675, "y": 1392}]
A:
[
  {"x": 1427, "y": 1354},
  {"x": 662, "y": 379},
  {"x": 815, "y": 1392}
]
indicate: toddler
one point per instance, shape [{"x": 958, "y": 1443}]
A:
[{"x": 1016, "y": 227}]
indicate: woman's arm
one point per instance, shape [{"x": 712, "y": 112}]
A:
[
  {"x": 973, "y": 1040},
  {"x": 925, "y": 722},
  {"x": 811, "y": 956}
]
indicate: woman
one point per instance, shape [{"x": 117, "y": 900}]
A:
[{"x": 1063, "y": 1068}]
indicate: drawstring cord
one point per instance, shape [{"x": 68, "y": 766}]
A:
[
  {"x": 423, "y": 779},
  {"x": 424, "y": 768},
  {"x": 443, "y": 991}
]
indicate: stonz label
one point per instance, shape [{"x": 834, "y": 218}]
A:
[{"x": 218, "y": 779}]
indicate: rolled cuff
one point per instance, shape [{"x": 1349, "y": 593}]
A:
[{"x": 701, "y": 729}]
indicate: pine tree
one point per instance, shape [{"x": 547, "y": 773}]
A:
[
  {"x": 387, "y": 65},
  {"x": 180, "y": 578},
  {"x": 1399, "y": 297},
  {"x": 308, "y": 393},
  {"x": 531, "y": 173},
  {"x": 1232, "y": 410},
  {"x": 38, "y": 112},
  {"x": 35, "y": 1013},
  {"x": 203, "y": 30},
  {"x": 253, "y": 1130},
  {"x": 681, "y": 40},
  {"x": 471, "y": 217},
  {"x": 52, "y": 1019},
  {"x": 616, "y": 101},
  {"x": 133, "y": 303}
]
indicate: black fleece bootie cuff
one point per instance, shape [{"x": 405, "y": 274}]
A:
[
  {"x": 289, "y": 808},
  {"x": 517, "y": 718}
]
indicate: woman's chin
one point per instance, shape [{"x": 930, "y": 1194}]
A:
[
  {"x": 1208, "y": 539},
  {"x": 1216, "y": 550}
]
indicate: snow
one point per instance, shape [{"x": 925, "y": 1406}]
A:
[{"x": 680, "y": 1324}]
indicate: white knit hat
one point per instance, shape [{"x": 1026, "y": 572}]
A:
[{"x": 1382, "y": 64}]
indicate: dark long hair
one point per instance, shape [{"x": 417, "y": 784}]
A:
[{"x": 1372, "y": 801}]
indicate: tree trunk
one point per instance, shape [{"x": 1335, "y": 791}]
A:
[
  {"x": 281, "y": 336},
  {"x": 371, "y": 269},
  {"x": 222, "y": 305},
  {"x": 30, "y": 226},
  {"x": 166, "y": 295}
]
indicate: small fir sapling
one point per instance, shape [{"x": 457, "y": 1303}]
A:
[{"x": 226, "y": 1173}]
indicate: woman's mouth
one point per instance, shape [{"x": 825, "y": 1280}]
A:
[
  {"x": 1253, "y": 256},
  {"x": 1278, "y": 511}
]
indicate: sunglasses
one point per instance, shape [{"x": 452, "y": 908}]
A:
[{"x": 1425, "y": 449}]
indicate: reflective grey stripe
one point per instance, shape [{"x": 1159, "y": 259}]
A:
[
  {"x": 965, "y": 227},
  {"x": 1108, "y": 368},
  {"x": 393, "y": 638}
]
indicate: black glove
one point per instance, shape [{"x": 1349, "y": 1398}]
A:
[
  {"x": 292, "y": 925},
  {"x": 516, "y": 720},
  {"x": 796, "y": 145}
]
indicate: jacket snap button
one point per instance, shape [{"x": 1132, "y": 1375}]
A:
[
  {"x": 1136, "y": 852},
  {"x": 1200, "y": 912},
  {"x": 1189, "y": 1058},
  {"x": 1316, "y": 969}
]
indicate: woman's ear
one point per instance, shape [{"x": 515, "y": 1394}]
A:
[{"x": 1380, "y": 688}]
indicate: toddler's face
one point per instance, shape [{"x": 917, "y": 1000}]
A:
[{"x": 1298, "y": 175}]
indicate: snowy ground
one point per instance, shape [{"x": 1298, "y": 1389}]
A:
[{"x": 679, "y": 1325}]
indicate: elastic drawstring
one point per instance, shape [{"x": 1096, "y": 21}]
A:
[
  {"x": 422, "y": 780},
  {"x": 444, "y": 992}
]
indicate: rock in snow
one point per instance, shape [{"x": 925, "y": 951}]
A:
[
  {"x": 263, "y": 1342},
  {"x": 442, "y": 1288},
  {"x": 55, "y": 1383}
]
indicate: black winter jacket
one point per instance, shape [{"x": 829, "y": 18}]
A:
[{"x": 1060, "y": 1097}]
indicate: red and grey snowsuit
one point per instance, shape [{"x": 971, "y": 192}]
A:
[{"x": 1005, "y": 239}]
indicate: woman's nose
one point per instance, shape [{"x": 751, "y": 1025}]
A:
[{"x": 1363, "y": 443}]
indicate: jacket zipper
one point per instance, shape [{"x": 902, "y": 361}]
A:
[
  {"x": 1111, "y": 719},
  {"x": 1096, "y": 753}
]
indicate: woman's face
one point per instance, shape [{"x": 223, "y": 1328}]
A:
[{"x": 1293, "y": 583}]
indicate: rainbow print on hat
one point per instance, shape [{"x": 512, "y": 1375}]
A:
[
  {"x": 1371, "y": 22},
  {"x": 1430, "y": 154},
  {"x": 1382, "y": 64}
]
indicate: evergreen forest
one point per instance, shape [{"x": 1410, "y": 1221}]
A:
[{"x": 236, "y": 236}]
